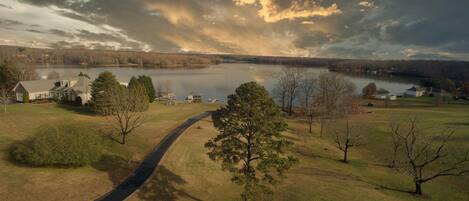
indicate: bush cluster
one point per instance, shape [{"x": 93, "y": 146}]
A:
[{"x": 59, "y": 145}]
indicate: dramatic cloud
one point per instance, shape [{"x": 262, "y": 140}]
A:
[
  {"x": 370, "y": 29},
  {"x": 272, "y": 11}
]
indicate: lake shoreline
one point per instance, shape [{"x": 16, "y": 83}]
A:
[{"x": 215, "y": 81}]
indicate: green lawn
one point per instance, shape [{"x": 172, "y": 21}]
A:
[
  {"x": 188, "y": 174},
  {"x": 19, "y": 182}
]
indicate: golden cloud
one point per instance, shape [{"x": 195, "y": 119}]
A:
[
  {"x": 272, "y": 12},
  {"x": 366, "y": 4},
  {"x": 174, "y": 14},
  {"x": 244, "y": 2}
]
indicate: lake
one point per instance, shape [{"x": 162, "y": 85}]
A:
[{"x": 217, "y": 81}]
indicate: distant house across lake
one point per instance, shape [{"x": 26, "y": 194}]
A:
[
  {"x": 194, "y": 98},
  {"x": 415, "y": 92},
  {"x": 72, "y": 89}
]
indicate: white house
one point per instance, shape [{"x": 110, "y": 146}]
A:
[
  {"x": 415, "y": 92},
  {"x": 34, "y": 89},
  {"x": 194, "y": 98},
  {"x": 73, "y": 89},
  {"x": 189, "y": 98}
]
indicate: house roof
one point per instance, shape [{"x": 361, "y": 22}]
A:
[
  {"x": 82, "y": 85},
  {"x": 416, "y": 89},
  {"x": 34, "y": 86}
]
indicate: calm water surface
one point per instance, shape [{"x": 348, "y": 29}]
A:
[{"x": 216, "y": 81}]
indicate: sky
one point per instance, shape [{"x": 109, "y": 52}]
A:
[{"x": 359, "y": 29}]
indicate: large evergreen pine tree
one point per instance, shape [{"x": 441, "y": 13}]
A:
[
  {"x": 133, "y": 81},
  {"x": 99, "y": 100},
  {"x": 150, "y": 89},
  {"x": 250, "y": 144}
]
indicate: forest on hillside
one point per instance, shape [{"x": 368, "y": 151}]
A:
[
  {"x": 454, "y": 70},
  {"x": 86, "y": 57}
]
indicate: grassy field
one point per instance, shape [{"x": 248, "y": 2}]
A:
[
  {"x": 18, "y": 182},
  {"x": 187, "y": 174}
]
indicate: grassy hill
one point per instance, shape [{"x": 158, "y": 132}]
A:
[
  {"x": 187, "y": 173},
  {"x": 18, "y": 182}
]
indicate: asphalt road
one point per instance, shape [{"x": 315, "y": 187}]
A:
[{"x": 148, "y": 166}]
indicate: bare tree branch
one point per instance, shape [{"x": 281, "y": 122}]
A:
[{"x": 420, "y": 154}]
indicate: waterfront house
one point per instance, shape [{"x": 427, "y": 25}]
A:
[
  {"x": 72, "y": 89},
  {"x": 384, "y": 95},
  {"x": 34, "y": 89},
  {"x": 189, "y": 98},
  {"x": 415, "y": 92},
  {"x": 194, "y": 98}
]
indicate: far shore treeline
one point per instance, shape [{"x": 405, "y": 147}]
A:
[{"x": 457, "y": 71}]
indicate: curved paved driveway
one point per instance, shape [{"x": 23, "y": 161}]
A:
[{"x": 148, "y": 166}]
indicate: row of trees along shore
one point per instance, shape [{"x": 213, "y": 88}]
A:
[
  {"x": 250, "y": 144},
  {"x": 86, "y": 57}
]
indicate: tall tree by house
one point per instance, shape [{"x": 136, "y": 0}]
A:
[{"x": 100, "y": 101}]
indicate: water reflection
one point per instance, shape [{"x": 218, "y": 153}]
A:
[{"x": 216, "y": 81}]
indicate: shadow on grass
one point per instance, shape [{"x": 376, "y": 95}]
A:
[
  {"x": 77, "y": 109},
  {"x": 307, "y": 152},
  {"x": 458, "y": 123},
  {"x": 117, "y": 167},
  {"x": 164, "y": 185}
]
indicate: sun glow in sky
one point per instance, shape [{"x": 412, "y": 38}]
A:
[{"x": 372, "y": 29}]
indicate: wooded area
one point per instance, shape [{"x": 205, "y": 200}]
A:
[
  {"x": 86, "y": 57},
  {"x": 455, "y": 70}
]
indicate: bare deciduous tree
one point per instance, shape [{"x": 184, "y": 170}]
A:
[
  {"x": 334, "y": 94},
  {"x": 294, "y": 77},
  {"x": 159, "y": 89},
  {"x": 4, "y": 97},
  {"x": 289, "y": 82},
  {"x": 125, "y": 109},
  {"x": 396, "y": 143},
  {"x": 322, "y": 124},
  {"x": 422, "y": 155},
  {"x": 308, "y": 88},
  {"x": 280, "y": 91},
  {"x": 346, "y": 140},
  {"x": 26, "y": 72}
]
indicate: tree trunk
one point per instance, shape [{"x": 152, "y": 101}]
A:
[
  {"x": 290, "y": 108},
  {"x": 322, "y": 127},
  {"x": 283, "y": 102},
  {"x": 418, "y": 188},
  {"x": 123, "y": 138},
  {"x": 394, "y": 157},
  {"x": 310, "y": 125},
  {"x": 345, "y": 156}
]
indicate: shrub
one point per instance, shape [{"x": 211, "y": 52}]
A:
[
  {"x": 62, "y": 145},
  {"x": 25, "y": 98}
]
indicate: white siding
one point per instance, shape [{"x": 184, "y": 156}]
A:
[
  {"x": 19, "y": 97},
  {"x": 39, "y": 95}
]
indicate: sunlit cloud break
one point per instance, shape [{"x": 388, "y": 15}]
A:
[{"x": 272, "y": 12}]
